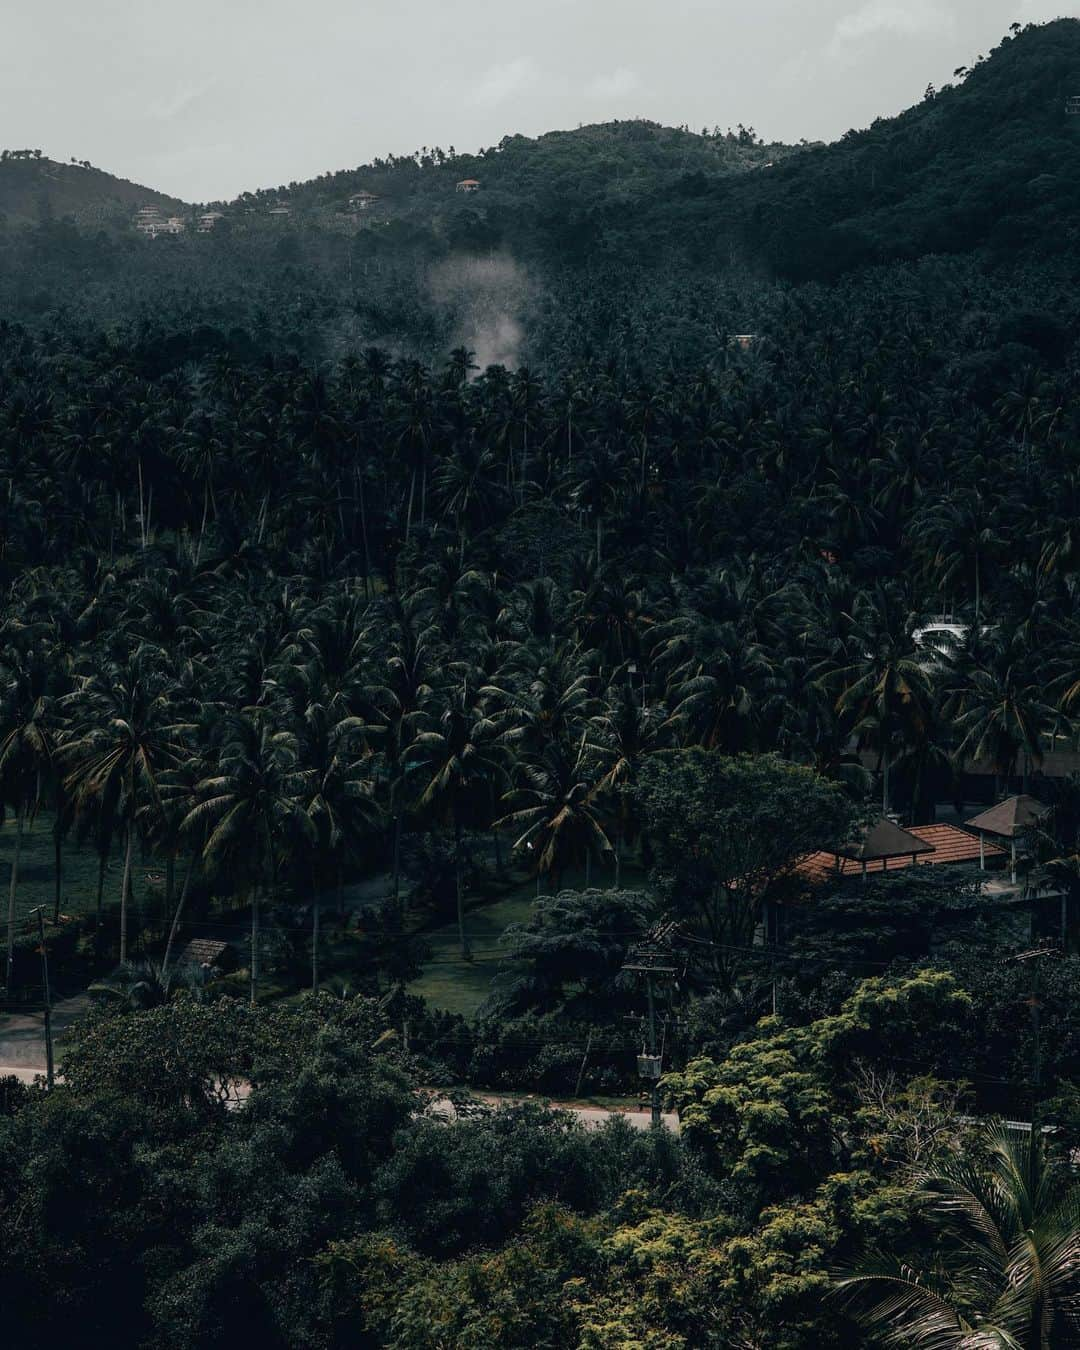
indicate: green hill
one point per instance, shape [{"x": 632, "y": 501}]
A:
[
  {"x": 988, "y": 163},
  {"x": 34, "y": 188}
]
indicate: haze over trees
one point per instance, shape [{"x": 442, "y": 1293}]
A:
[{"x": 300, "y": 596}]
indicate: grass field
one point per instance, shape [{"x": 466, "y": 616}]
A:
[
  {"x": 460, "y": 986},
  {"x": 79, "y": 867}
]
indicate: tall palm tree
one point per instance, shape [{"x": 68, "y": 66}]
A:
[
  {"x": 28, "y": 742},
  {"x": 460, "y": 750},
  {"x": 254, "y": 797},
  {"x": 1007, "y": 1275},
  {"x": 555, "y": 808},
  {"x": 624, "y": 733},
  {"x": 1002, "y": 716},
  {"x": 885, "y": 688},
  {"x": 338, "y": 800},
  {"x": 124, "y": 736}
]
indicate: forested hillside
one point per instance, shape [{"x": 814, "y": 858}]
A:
[
  {"x": 427, "y": 627},
  {"x": 35, "y": 190}
]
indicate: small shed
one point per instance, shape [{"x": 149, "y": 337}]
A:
[
  {"x": 209, "y": 953},
  {"x": 1007, "y": 820}
]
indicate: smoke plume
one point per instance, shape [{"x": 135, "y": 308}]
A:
[{"x": 487, "y": 297}]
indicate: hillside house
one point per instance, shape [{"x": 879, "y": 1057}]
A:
[
  {"x": 209, "y": 221},
  {"x": 362, "y": 201},
  {"x": 1072, "y": 104},
  {"x": 469, "y": 185},
  {"x": 281, "y": 209}
]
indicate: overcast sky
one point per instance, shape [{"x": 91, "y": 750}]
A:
[{"x": 206, "y": 98}]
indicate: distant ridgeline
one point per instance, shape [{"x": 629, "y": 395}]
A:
[{"x": 987, "y": 167}]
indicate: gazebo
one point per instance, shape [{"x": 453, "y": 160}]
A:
[
  {"x": 1007, "y": 820},
  {"x": 880, "y": 841}
]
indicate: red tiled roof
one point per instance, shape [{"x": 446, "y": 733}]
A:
[{"x": 950, "y": 844}]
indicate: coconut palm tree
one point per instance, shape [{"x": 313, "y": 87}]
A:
[
  {"x": 28, "y": 743},
  {"x": 1007, "y": 1274},
  {"x": 460, "y": 749},
  {"x": 252, "y": 799},
  {"x": 338, "y": 799},
  {"x": 885, "y": 688},
  {"x": 556, "y": 810},
  {"x": 124, "y": 735}
]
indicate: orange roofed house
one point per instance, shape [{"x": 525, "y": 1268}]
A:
[
  {"x": 469, "y": 185},
  {"x": 885, "y": 847}
]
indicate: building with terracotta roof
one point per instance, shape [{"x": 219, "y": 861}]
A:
[
  {"x": 469, "y": 185},
  {"x": 884, "y": 851}
]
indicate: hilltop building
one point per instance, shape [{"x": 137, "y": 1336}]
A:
[
  {"x": 362, "y": 201},
  {"x": 469, "y": 185},
  {"x": 150, "y": 221}
]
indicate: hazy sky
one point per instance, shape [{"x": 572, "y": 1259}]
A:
[{"x": 205, "y": 98}]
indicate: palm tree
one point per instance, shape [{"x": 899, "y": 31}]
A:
[
  {"x": 460, "y": 750},
  {"x": 886, "y": 687},
  {"x": 555, "y": 809},
  {"x": 1008, "y": 1270},
  {"x": 337, "y": 798},
  {"x": 1001, "y": 714},
  {"x": 28, "y": 738},
  {"x": 624, "y": 733},
  {"x": 396, "y": 700},
  {"x": 254, "y": 797},
  {"x": 124, "y": 737}
]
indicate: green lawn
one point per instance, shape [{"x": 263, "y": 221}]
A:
[
  {"x": 460, "y": 986},
  {"x": 79, "y": 865}
]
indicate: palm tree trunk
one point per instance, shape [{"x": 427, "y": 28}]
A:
[
  {"x": 618, "y": 858},
  {"x": 364, "y": 535},
  {"x": 885, "y": 783},
  {"x": 397, "y": 860},
  {"x": 12, "y": 887},
  {"x": 124, "y": 888},
  {"x": 103, "y": 859},
  {"x": 254, "y": 941},
  {"x": 58, "y": 869},
  {"x": 498, "y": 850},
  {"x": 175, "y": 926},
  {"x": 340, "y": 888},
  {"x": 170, "y": 882},
  {"x": 315, "y": 928},
  {"x": 466, "y": 953},
  {"x": 408, "y": 509},
  {"x": 588, "y": 868}
]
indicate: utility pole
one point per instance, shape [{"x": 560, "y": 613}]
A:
[
  {"x": 40, "y": 912},
  {"x": 1034, "y": 957},
  {"x": 653, "y": 962}
]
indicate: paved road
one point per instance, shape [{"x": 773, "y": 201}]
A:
[{"x": 22, "y": 1035}]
